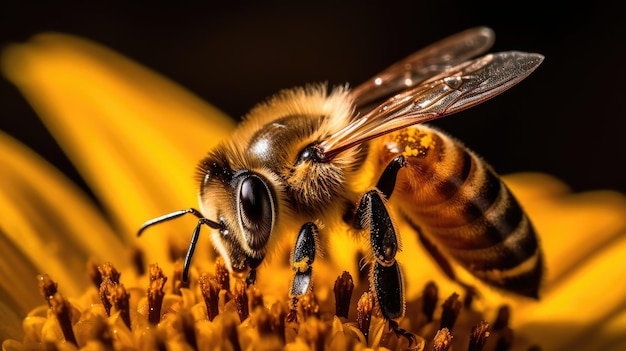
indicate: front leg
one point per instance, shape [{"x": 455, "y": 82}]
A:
[{"x": 302, "y": 259}]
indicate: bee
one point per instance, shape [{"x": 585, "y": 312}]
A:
[{"x": 315, "y": 155}]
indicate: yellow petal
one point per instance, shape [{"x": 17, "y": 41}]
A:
[
  {"x": 135, "y": 137},
  {"x": 571, "y": 227},
  {"x": 18, "y": 294},
  {"x": 48, "y": 226},
  {"x": 584, "y": 238},
  {"x": 577, "y": 310}
]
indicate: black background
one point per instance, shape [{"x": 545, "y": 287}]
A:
[{"x": 566, "y": 119}]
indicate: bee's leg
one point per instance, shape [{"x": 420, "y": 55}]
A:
[
  {"x": 251, "y": 277},
  {"x": 301, "y": 261},
  {"x": 387, "y": 181},
  {"x": 252, "y": 263},
  {"x": 386, "y": 277}
]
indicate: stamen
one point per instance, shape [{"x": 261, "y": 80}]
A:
[
  {"x": 104, "y": 287},
  {"x": 430, "y": 297},
  {"x": 364, "y": 308},
  {"x": 470, "y": 294},
  {"x": 108, "y": 271},
  {"x": 222, "y": 274},
  {"x": 115, "y": 295},
  {"x": 63, "y": 311},
  {"x": 60, "y": 307},
  {"x": 478, "y": 337},
  {"x": 451, "y": 310},
  {"x": 442, "y": 340},
  {"x": 47, "y": 287},
  {"x": 344, "y": 285},
  {"x": 210, "y": 292},
  {"x": 241, "y": 299},
  {"x": 155, "y": 293},
  {"x": 501, "y": 327},
  {"x": 502, "y": 320}
]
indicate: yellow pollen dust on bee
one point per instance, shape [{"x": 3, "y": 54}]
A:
[
  {"x": 417, "y": 142},
  {"x": 302, "y": 265}
]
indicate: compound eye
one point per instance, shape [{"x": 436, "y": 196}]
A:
[{"x": 256, "y": 211}]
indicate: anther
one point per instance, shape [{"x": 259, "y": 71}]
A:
[
  {"x": 479, "y": 336},
  {"x": 241, "y": 299},
  {"x": 451, "y": 310},
  {"x": 430, "y": 296},
  {"x": 210, "y": 293},
  {"x": 155, "y": 293},
  {"x": 442, "y": 340},
  {"x": 344, "y": 285},
  {"x": 364, "y": 308},
  {"x": 60, "y": 307},
  {"x": 114, "y": 295}
]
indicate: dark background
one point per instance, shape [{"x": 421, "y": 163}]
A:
[{"x": 566, "y": 119}]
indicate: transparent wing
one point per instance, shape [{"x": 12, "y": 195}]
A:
[
  {"x": 456, "y": 89},
  {"x": 425, "y": 63}
]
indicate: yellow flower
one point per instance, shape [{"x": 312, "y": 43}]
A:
[{"x": 136, "y": 138}]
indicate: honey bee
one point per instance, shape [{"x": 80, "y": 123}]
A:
[{"x": 300, "y": 159}]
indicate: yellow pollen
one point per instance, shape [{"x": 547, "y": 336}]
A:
[
  {"x": 409, "y": 151},
  {"x": 302, "y": 265},
  {"x": 427, "y": 140}
]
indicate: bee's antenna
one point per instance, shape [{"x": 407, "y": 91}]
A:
[
  {"x": 194, "y": 237},
  {"x": 174, "y": 215}
]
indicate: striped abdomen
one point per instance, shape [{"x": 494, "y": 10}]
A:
[{"x": 460, "y": 206}]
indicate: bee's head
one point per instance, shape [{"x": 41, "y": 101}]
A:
[{"x": 244, "y": 203}]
